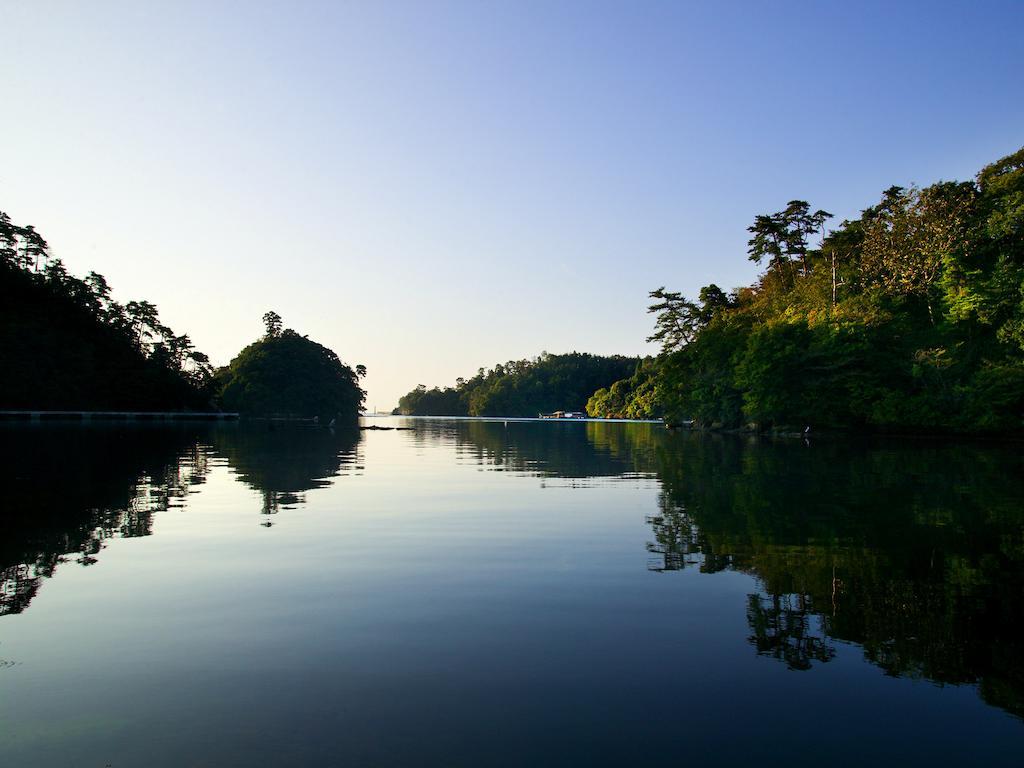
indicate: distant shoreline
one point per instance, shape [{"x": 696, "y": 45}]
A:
[{"x": 509, "y": 418}]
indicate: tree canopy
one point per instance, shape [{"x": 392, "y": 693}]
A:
[
  {"x": 908, "y": 317},
  {"x": 65, "y": 344},
  {"x": 284, "y": 373}
]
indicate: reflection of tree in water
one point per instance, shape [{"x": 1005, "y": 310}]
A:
[
  {"x": 69, "y": 489},
  {"x": 283, "y": 462},
  {"x": 911, "y": 551},
  {"x": 915, "y": 552},
  {"x": 787, "y": 628},
  {"x": 566, "y": 450},
  {"x": 676, "y": 543}
]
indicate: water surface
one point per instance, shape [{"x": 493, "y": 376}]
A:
[{"x": 479, "y": 593}]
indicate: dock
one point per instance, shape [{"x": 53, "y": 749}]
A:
[{"x": 37, "y": 416}]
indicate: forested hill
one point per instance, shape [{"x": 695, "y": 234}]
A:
[
  {"x": 522, "y": 387},
  {"x": 287, "y": 373},
  {"x": 909, "y": 317},
  {"x": 66, "y": 345}
]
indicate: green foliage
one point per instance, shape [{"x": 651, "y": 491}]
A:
[
  {"x": 65, "y": 344},
  {"x": 782, "y": 237},
  {"x": 1002, "y": 189},
  {"x": 288, "y": 374},
  {"x": 678, "y": 319},
  {"x": 632, "y": 398},
  {"x": 522, "y": 387},
  {"x": 910, "y": 317}
]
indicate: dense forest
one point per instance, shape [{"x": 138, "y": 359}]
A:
[
  {"x": 632, "y": 398},
  {"x": 522, "y": 387},
  {"x": 65, "y": 344},
  {"x": 909, "y": 317}
]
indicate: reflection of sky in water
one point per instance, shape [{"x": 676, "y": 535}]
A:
[{"x": 561, "y": 606}]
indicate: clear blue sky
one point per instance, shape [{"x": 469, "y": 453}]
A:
[{"x": 431, "y": 187}]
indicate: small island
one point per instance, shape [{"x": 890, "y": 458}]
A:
[{"x": 289, "y": 375}]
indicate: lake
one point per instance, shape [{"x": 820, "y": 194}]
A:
[{"x": 480, "y": 593}]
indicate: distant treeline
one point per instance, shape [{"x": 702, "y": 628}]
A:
[
  {"x": 908, "y": 317},
  {"x": 65, "y": 344},
  {"x": 522, "y": 387}
]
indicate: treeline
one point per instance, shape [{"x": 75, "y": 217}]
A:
[
  {"x": 522, "y": 387},
  {"x": 65, "y": 344},
  {"x": 908, "y": 317}
]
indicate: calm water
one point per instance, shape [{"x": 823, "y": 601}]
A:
[{"x": 532, "y": 594}]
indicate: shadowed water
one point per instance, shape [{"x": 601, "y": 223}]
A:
[{"x": 481, "y": 593}]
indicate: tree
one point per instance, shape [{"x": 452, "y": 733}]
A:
[
  {"x": 913, "y": 235},
  {"x": 678, "y": 319},
  {"x": 839, "y": 248},
  {"x": 143, "y": 320},
  {"x": 799, "y": 224},
  {"x": 272, "y": 321},
  {"x": 768, "y": 241},
  {"x": 782, "y": 237},
  {"x": 8, "y": 240},
  {"x": 33, "y": 247},
  {"x": 713, "y": 302},
  {"x": 1001, "y": 187}
]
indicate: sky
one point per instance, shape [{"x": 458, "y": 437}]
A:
[{"x": 433, "y": 187}]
